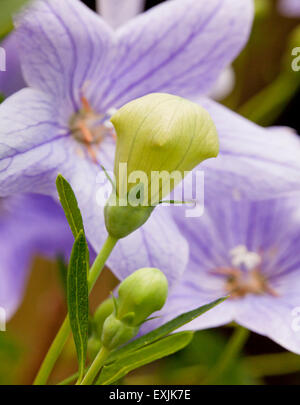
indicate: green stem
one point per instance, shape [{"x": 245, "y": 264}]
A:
[
  {"x": 96, "y": 366},
  {"x": 62, "y": 336},
  {"x": 69, "y": 380},
  {"x": 233, "y": 348},
  {"x": 267, "y": 105},
  {"x": 100, "y": 261},
  {"x": 272, "y": 364}
]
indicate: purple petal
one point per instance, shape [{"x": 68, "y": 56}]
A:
[
  {"x": 65, "y": 49},
  {"x": 29, "y": 225},
  {"x": 158, "y": 243},
  {"x": 179, "y": 47},
  {"x": 33, "y": 143},
  {"x": 11, "y": 80},
  {"x": 253, "y": 162},
  {"x": 118, "y": 12},
  {"x": 269, "y": 228},
  {"x": 275, "y": 318},
  {"x": 290, "y": 8}
]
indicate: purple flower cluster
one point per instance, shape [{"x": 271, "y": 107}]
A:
[{"x": 77, "y": 69}]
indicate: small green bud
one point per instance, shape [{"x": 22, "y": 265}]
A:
[
  {"x": 160, "y": 133},
  {"x": 116, "y": 333},
  {"x": 142, "y": 293},
  {"x": 105, "y": 309},
  {"x": 94, "y": 346}
]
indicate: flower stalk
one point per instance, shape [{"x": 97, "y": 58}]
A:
[{"x": 63, "y": 334}]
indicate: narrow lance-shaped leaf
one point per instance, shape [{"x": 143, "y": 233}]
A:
[
  {"x": 70, "y": 205},
  {"x": 163, "y": 330},
  {"x": 162, "y": 348},
  {"x": 78, "y": 303}
]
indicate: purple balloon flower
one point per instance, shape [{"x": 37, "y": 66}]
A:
[
  {"x": 29, "y": 225},
  {"x": 249, "y": 250},
  {"x": 73, "y": 61},
  {"x": 290, "y": 8}
]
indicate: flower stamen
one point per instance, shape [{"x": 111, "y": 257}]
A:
[
  {"x": 244, "y": 276},
  {"x": 90, "y": 128}
]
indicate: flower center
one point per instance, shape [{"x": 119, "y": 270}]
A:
[
  {"x": 90, "y": 128},
  {"x": 245, "y": 276}
]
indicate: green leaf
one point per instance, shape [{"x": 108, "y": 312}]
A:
[
  {"x": 70, "y": 205},
  {"x": 162, "y": 331},
  {"x": 78, "y": 302},
  {"x": 162, "y": 348},
  {"x": 8, "y": 8},
  {"x": 62, "y": 271}
]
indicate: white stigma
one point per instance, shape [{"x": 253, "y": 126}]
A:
[
  {"x": 240, "y": 255},
  {"x": 109, "y": 113}
]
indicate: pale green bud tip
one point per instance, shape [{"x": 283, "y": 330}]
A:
[
  {"x": 142, "y": 293},
  {"x": 161, "y": 132}
]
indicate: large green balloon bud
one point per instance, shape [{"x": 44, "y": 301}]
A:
[
  {"x": 142, "y": 293},
  {"x": 160, "y": 139},
  {"x": 161, "y": 132}
]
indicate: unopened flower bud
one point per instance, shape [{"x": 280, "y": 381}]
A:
[
  {"x": 105, "y": 309},
  {"x": 160, "y": 139},
  {"x": 142, "y": 293},
  {"x": 160, "y": 132},
  {"x": 115, "y": 332},
  {"x": 94, "y": 345}
]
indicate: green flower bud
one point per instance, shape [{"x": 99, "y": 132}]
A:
[
  {"x": 142, "y": 293},
  {"x": 116, "y": 333},
  {"x": 105, "y": 309},
  {"x": 160, "y": 139},
  {"x": 160, "y": 133},
  {"x": 94, "y": 346}
]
